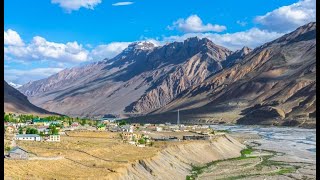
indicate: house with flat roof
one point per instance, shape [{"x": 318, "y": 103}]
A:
[
  {"x": 127, "y": 128},
  {"x": 18, "y": 153},
  {"x": 27, "y": 137},
  {"x": 54, "y": 138}
]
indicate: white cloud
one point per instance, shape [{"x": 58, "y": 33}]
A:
[
  {"x": 194, "y": 24},
  {"x": 126, "y": 3},
  {"x": 251, "y": 38},
  {"x": 73, "y": 5},
  {"x": 12, "y": 38},
  {"x": 288, "y": 18},
  {"x": 41, "y": 49},
  {"x": 108, "y": 50},
  {"x": 242, "y": 23},
  {"x": 18, "y": 76}
]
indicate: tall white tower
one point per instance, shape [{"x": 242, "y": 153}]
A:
[{"x": 178, "y": 120}]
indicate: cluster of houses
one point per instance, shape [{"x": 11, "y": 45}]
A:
[
  {"x": 137, "y": 139},
  {"x": 134, "y": 132},
  {"x": 42, "y": 126}
]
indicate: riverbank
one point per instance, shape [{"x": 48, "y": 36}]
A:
[{"x": 277, "y": 153}]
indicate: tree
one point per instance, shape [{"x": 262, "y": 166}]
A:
[
  {"x": 20, "y": 130},
  {"x": 83, "y": 122},
  {"x": 53, "y": 130},
  {"x": 122, "y": 122},
  {"x": 8, "y": 148},
  {"x": 31, "y": 131},
  {"x": 142, "y": 141},
  {"x": 6, "y": 118}
]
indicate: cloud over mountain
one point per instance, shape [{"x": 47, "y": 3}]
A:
[
  {"x": 194, "y": 24},
  {"x": 289, "y": 17}
]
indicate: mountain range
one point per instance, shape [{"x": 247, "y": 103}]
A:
[
  {"x": 16, "y": 102},
  {"x": 271, "y": 84}
]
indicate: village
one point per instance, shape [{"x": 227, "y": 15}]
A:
[{"x": 53, "y": 131}]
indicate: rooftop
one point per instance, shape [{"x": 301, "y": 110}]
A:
[
  {"x": 27, "y": 135},
  {"x": 15, "y": 148}
]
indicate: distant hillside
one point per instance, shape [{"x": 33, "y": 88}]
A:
[{"x": 16, "y": 102}]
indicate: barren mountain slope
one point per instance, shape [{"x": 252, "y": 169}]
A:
[
  {"x": 16, "y": 102},
  {"x": 274, "y": 84},
  {"x": 139, "y": 80}
]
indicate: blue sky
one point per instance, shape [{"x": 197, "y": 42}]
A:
[{"x": 44, "y": 37}]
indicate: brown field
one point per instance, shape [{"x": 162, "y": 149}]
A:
[{"x": 86, "y": 154}]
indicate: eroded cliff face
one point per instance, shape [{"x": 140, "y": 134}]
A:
[
  {"x": 192, "y": 72},
  {"x": 174, "y": 162}
]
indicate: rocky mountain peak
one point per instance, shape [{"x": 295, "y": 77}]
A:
[
  {"x": 245, "y": 50},
  {"x": 302, "y": 33},
  {"x": 196, "y": 41},
  {"x": 140, "y": 45},
  {"x": 236, "y": 56},
  {"x": 14, "y": 85}
]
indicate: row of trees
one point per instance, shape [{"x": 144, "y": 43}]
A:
[
  {"x": 28, "y": 130},
  {"x": 23, "y": 118},
  {"x": 13, "y": 118}
]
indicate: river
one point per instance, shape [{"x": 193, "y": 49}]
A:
[{"x": 299, "y": 145}]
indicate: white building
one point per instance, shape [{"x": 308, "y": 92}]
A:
[
  {"x": 127, "y": 128},
  {"x": 159, "y": 128},
  {"x": 54, "y": 138},
  {"x": 28, "y": 137}
]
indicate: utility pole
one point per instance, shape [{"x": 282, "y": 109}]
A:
[{"x": 178, "y": 120}]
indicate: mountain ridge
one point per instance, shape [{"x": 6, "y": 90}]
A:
[
  {"x": 16, "y": 102},
  {"x": 138, "y": 69},
  {"x": 269, "y": 76},
  {"x": 196, "y": 75}
]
